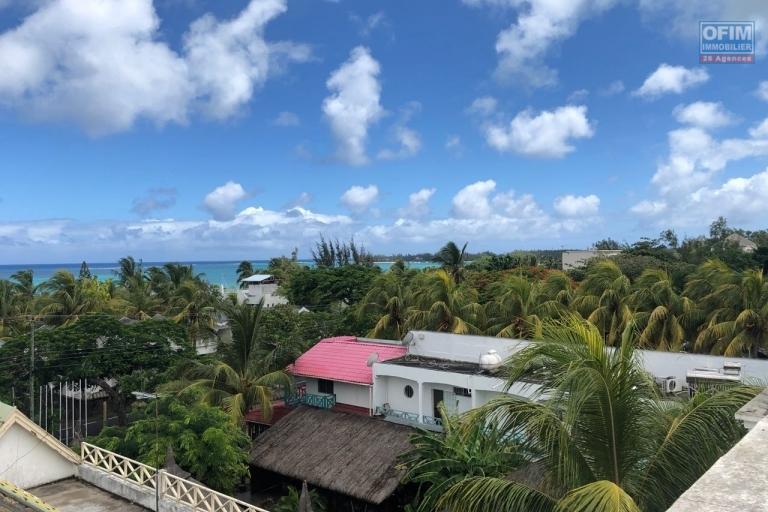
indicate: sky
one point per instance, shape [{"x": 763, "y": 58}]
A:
[{"x": 200, "y": 130}]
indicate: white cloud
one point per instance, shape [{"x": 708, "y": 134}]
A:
[
  {"x": 418, "y": 204},
  {"x": 483, "y": 106},
  {"x": 222, "y": 201},
  {"x": 704, "y": 114},
  {"x": 671, "y": 80},
  {"x": 688, "y": 191},
  {"x": 547, "y": 134},
  {"x": 286, "y": 119},
  {"x": 453, "y": 145},
  {"x": 578, "y": 96},
  {"x": 615, "y": 87},
  {"x": 154, "y": 200},
  {"x": 359, "y": 199},
  {"x": 408, "y": 139},
  {"x": 101, "y": 64},
  {"x": 541, "y": 24},
  {"x": 577, "y": 206},
  {"x": 369, "y": 24},
  {"x": 473, "y": 202},
  {"x": 354, "y": 104},
  {"x": 762, "y": 90}
]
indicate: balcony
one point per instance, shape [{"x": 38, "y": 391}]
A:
[
  {"x": 410, "y": 418},
  {"x": 319, "y": 400}
]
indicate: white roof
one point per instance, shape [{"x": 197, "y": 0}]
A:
[{"x": 257, "y": 278}]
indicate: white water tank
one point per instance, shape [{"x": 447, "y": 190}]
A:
[{"x": 490, "y": 360}]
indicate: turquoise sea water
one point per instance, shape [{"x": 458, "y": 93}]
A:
[{"x": 216, "y": 272}]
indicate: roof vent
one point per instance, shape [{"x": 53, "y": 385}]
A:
[{"x": 490, "y": 360}]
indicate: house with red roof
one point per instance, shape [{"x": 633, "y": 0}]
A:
[{"x": 340, "y": 370}]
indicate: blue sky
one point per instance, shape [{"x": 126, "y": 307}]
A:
[{"x": 186, "y": 129}]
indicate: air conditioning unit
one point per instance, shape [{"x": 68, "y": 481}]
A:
[{"x": 670, "y": 385}]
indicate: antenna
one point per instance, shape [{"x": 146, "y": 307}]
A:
[{"x": 373, "y": 358}]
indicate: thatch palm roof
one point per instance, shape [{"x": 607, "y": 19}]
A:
[{"x": 345, "y": 453}]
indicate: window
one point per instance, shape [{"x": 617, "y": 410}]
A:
[
  {"x": 462, "y": 392},
  {"x": 408, "y": 391},
  {"x": 325, "y": 386}
]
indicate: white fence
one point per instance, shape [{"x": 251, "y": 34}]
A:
[{"x": 169, "y": 488}]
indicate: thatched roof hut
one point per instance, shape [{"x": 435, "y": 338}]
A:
[{"x": 345, "y": 453}]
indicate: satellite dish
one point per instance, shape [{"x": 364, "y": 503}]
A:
[
  {"x": 408, "y": 338},
  {"x": 373, "y": 358}
]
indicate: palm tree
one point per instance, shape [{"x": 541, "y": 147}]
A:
[
  {"x": 739, "y": 323},
  {"x": 662, "y": 317},
  {"x": 67, "y": 298},
  {"x": 8, "y": 308},
  {"x": 241, "y": 380},
  {"x": 602, "y": 299},
  {"x": 388, "y": 299},
  {"x": 452, "y": 259},
  {"x": 179, "y": 272},
  {"x": 521, "y": 305},
  {"x": 439, "y": 460},
  {"x": 597, "y": 424},
  {"x": 444, "y": 306},
  {"x": 244, "y": 270},
  {"x": 196, "y": 304},
  {"x": 137, "y": 299},
  {"x": 128, "y": 267}
]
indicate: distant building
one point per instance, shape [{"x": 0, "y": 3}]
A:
[
  {"x": 744, "y": 243},
  {"x": 257, "y": 287},
  {"x": 579, "y": 259}
]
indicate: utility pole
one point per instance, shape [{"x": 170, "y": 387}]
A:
[{"x": 32, "y": 373}]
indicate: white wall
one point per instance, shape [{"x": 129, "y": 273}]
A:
[
  {"x": 346, "y": 393},
  {"x": 255, "y": 292},
  {"x": 28, "y": 462}
]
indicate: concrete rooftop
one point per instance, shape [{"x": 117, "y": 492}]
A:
[
  {"x": 75, "y": 496},
  {"x": 737, "y": 482}
]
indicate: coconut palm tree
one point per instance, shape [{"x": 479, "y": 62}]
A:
[
  {"x": 605, "y": 437},
  {"x": 388, "y": 299},
  {"x": 127, "y": 268},
  {"x": 240, "y": 380},
  {"x": 444, "y": 306},
  {"x": 67, "y": 297},
  {"x": 739, "y": 323},
  {"x": 196, "y": 305},
  {"x": 452, "y": 259},
  {"x": 137, "y": 299},
  {"x": 515, "y": 311},
  {"x": 662, "y": 318},
  {"x": 439, "y": 460},
  {"x": 602, "y": 299},
  {"x": 244, "y": 270}
]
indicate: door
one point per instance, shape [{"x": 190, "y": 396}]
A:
[{"x": 437, "y": 398}]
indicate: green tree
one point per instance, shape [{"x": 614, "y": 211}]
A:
[
  {"x": 203, "y": 440},
  {"x": 241, "y": 379},
  {"x": 439, "y": 460},
  {"x": 291, "y": 501},
  {"x": 85, "y": 272},
  {"x": 662, "y": 317},
  {"x": 451, "y": 258},
  {"x": 602, "y": 299},
  {"x": 67, "y": 298},
  {"x": 128, "y": 268},
  {"x": 244, "y": 270},
  {"x": 388, "y": 301},
  {"x": 444, "y": 306},
  {"x": 600, "y": 429},
  {"x": 737, "y": 323}
]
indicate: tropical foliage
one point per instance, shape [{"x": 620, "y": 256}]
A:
[{"x": 597, "y": 427}]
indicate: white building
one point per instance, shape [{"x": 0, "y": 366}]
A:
[{"x": 258, "y": 287}]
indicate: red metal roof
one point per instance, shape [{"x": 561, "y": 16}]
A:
[{"x": 344, "y": 358}]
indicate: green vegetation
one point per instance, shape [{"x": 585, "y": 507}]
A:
[
  {"x": 203, "y": 439},
  {"x": 603, "y": 440}
]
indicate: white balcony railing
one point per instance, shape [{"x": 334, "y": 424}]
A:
[
  {"x": 122, "y": 467},
  {"x": 171, "y": 488}
]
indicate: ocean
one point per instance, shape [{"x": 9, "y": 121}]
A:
[{"x": 216, "y": 272}]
